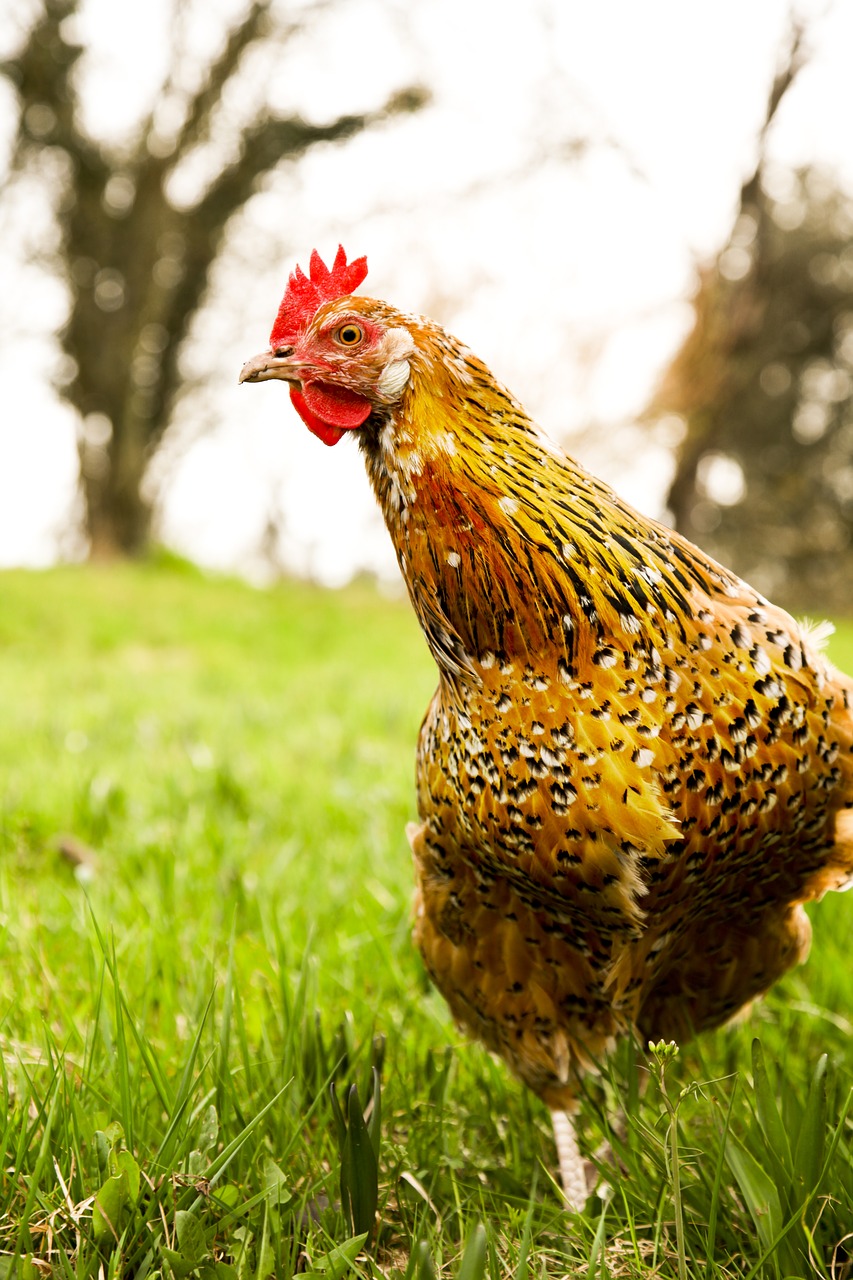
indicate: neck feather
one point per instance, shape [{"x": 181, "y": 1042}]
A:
[{"x": 507, "y": 546}]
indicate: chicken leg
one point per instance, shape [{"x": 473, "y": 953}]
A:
[{"x": 572, "y": 1173}]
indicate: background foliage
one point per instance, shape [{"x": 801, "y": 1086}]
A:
[{"x": 764, "y": 386}]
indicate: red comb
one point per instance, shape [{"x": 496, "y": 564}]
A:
[{"x": 304, "y": 294}]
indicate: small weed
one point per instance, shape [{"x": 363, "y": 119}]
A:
[{"x": 663, "y": 1053}]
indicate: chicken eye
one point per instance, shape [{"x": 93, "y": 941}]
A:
[{"x": 349, "y": 335}]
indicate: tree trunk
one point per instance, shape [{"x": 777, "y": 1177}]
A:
[{"x": 118, "y": 519}]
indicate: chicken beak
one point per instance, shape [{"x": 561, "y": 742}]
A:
[{"x": 263, "y": 367}]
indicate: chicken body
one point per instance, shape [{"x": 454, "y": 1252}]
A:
[
  {"x": 631, "y": 774},
  {"x": 634, "y": 770}
]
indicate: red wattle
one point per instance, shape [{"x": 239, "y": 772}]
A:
[
  {"x": 325, "y": 432},
  {"x": 336, "y": 405},
  {"x": 329, "y": 411}
]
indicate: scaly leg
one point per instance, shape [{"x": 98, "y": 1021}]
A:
[{"x": 572, "y": 1173}]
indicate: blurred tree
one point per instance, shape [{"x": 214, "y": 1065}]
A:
[
  {"x": 764, "y": 388},
  {"x": 136, "y": 260}
]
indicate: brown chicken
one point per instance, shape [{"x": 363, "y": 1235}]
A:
[{"x": 634, "y": 770}]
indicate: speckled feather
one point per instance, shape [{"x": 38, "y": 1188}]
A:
[
  {"x": 630, "y": 776},
  {"x": 634, "y": 770}
]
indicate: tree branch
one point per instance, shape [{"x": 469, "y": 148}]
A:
[
  {"x": 270, "y": 140},
  {"x": 41, "y": 73},
  {"x": 201, "y": 107},
  {"x": 794, "y": 60}
]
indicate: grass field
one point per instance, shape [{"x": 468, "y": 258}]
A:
[{"x": 204, "y": 920}]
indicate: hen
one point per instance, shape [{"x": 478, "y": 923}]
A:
[{"x": 634, "y": 770}]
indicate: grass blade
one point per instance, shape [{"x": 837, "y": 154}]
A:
[{"x": 473, "y": 1265}]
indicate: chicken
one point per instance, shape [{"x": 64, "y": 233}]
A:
[{"x": 634, "y": 771}]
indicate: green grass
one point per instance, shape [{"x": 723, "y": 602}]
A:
[{"x": 204, "y": 920}]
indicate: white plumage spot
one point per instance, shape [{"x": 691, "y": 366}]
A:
[
  {"x": 816, "y": 634},
  {"x": 453, "y": 558}
]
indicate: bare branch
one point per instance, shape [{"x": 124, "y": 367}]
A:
[
  {"x": 795, "y": 58},
  {"x": 201, "y": 108},
  {"x": 270, "y": 141},
  {"x": 41, "y": 73}
]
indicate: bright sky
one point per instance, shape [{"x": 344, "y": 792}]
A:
[{"x": 568, "y": 278}]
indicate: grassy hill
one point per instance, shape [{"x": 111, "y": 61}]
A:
[{"x": 204, "y": 916}]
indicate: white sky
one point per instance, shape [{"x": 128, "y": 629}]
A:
[{"x": 569, "y": 278}]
